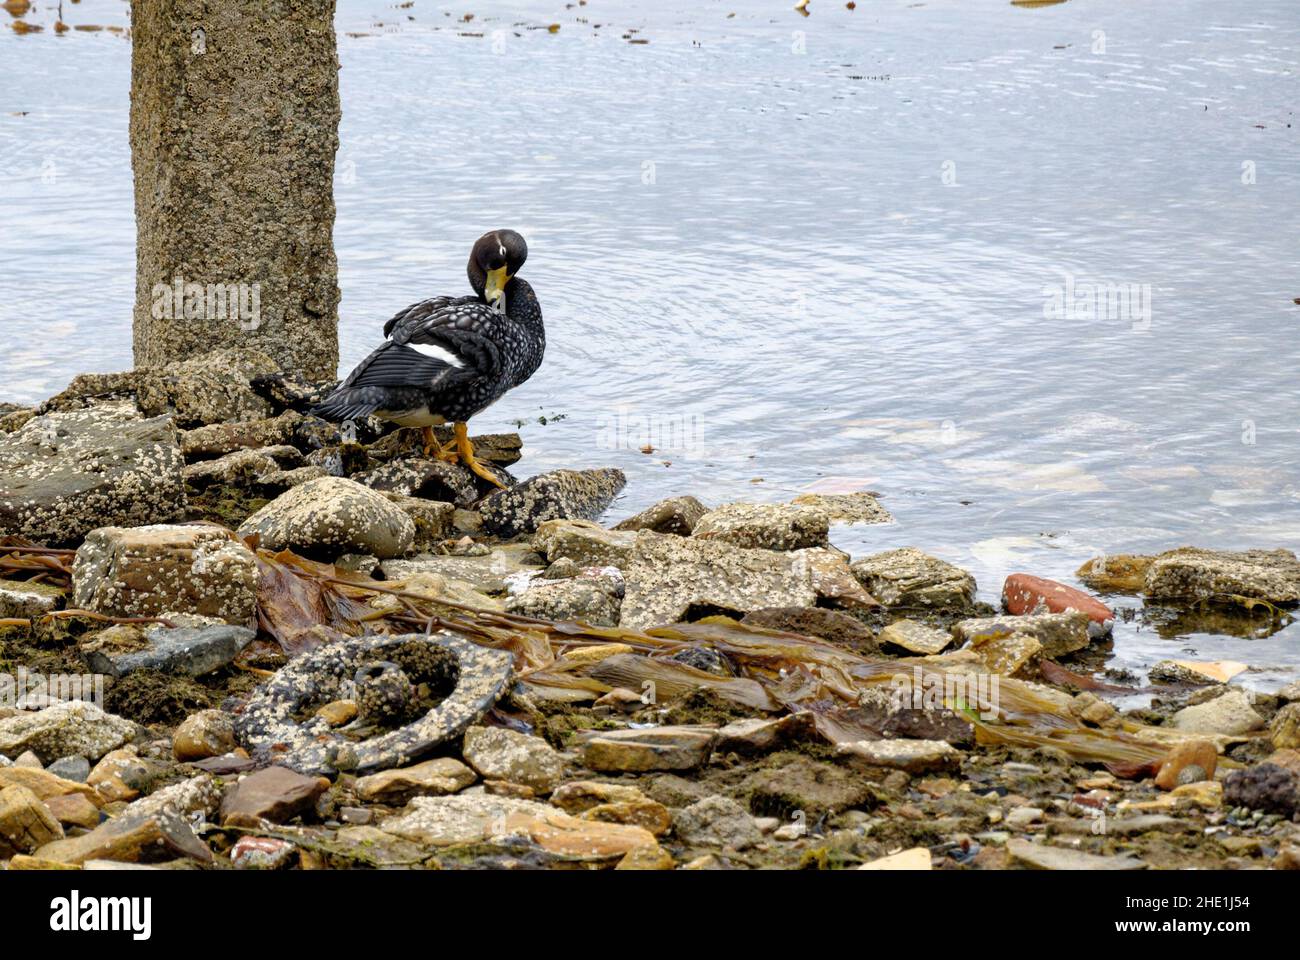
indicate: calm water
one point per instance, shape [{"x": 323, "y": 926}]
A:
[{"x": 853, "y": 250}]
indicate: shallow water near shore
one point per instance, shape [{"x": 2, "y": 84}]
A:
[{"x": 856, "y": 250}]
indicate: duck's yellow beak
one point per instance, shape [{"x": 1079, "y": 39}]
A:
[{"x": 494, "y": 291}]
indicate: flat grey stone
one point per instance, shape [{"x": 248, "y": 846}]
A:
[
  {"x": 192, "y": 651},
  {"x": 1043, "y": 857}
]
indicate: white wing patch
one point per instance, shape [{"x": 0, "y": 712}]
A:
[{"x": 437, "y": 353}]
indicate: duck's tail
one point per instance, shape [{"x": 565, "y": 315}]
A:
[{"x": 345, "y": 404}]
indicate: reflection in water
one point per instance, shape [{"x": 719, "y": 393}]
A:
[{"x": 1031, "y": 288}]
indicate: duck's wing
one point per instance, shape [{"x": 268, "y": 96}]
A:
[
  {"x": 430, "y": 346},
  {"x": 463, "y": 332},
  {"x": 419, "y": 311}
]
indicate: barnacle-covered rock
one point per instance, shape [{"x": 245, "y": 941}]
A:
[
  {"x": 330, "y": 516},
  {"x": 63, "y": 474}
]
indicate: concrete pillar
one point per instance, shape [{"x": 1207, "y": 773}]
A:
[{"x": 234, "y": 127}]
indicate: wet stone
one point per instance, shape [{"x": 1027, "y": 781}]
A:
[
  {"x": 915, "y": 638},
  {"x": 75, "y": 727},
  {"x": 204, "y": 734},
  {"x": 657, "y": 748},
  {"x": 1025, "y": 594},
  {"x": 676, "y": 515},
  {"x": 151, "y": 570},
  {"x": 558, "y": 495},
  {"x": 767, "y": 526},
  {"x": 909, "y": 578},
  {"x": 220, "y": 439},
  {"x": 275, "y": 794},
  {"x": 425, "y": 479},
  {"x": 1197, "y": 755},
  {"x": 191, "y": 651},
  {"x": 859, "y": 507},
  {"x": 594, "y": 599},
  {"x": 212, "y": 388},
  {"x": 132, "y": 837},
  {"x": 587, "y": 544},
  {"x": 716, "y": 822},
  {"x": 1190, "y": 574},
  {"x": 241, "y": 467},
  {"x": 912, "y": 756},
  {"x": 1057, "y": 633},
  {"x": 670, "y": 576},
  {"x": 1200, "y": 673},
  {"x": 1009, "y": 654},
  {"x": 261, "y": 853},
  {"x": 1284, "y": 731},
  {"x": 121, "y": 775},
  {"x": 1044, "y": 857},
  {"x": 330, "y": 516},
  {"x": 24, "y": 600},
  {"x": 73, "y": 810},
  {"x": 70, "y": 768},
  {"x": 832, "y": 578},
  {"x": 757, "y": 735},
  {"x": 431, "y": 778},
  {"x": 433, "y": 519},
  {"x": 462, "y": 819},
  {"x": 64, "y": 474},
  {"x": 918, "y": 858},
  {"x": 89, "y": 389},
  {"x": 25, "y": 822},
  {"x": 44, "y": 784},
  {"x": 1231, "y": 714},
  {"x": 489, "y": 572},
  {"x": 501, "y": 754},
  {"x": 579, "y": 796},
  {"x": 1116, "y": 573}
]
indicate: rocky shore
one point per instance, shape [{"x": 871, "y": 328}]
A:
[{"x": 235, "y": 635}]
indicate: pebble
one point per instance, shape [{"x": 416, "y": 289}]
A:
[
  {"x": 1231, "y": 714},
  {"x": 716, "y": 822},
  {"x": 915, "y": 637},
  {"x": 912, "y": 756},
  {"x": 261, "y": 853},
  {"x": 276, "y": 794},
  {"x": 1021, "y": 817},
  {"x": 497, "y": 753},
  {"x": 25, "y": 823},
  {"x": 338, "y": 713},
  {"x": 71, "y": 768},
  {"x": 917, "y": 858},
  {"x": 1044, "y": 857},
  {"x": 1023, "y": 593},
  {"x": 204, "y": 734},
  {"x": 72, "y": 728},
  {"x": 121, "y": 775},
  {"x": 657, "y": 748},
  {"x": 435, "y": 777}
]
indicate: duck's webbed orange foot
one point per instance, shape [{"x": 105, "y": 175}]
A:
[
  {"x": 466, "y": 451},
  {"x": 444, "y": 452}
]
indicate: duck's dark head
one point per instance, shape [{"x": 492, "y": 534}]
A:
[{"x": 493, "y": 263}]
